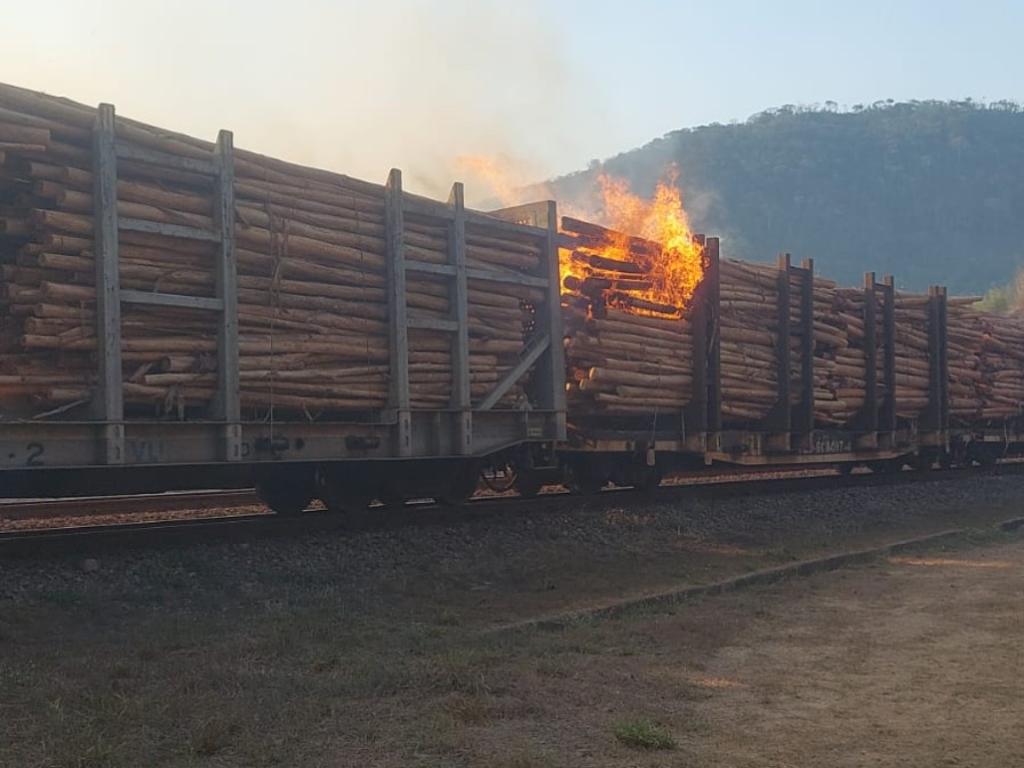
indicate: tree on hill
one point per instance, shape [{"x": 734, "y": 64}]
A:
[{"x": 932, "y": 192}]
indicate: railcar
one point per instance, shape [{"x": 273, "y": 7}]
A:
[
  {"x": 92, "y": 236},
  {"x": 113, "y": 382},
  {"x": 886, "y": 432}
]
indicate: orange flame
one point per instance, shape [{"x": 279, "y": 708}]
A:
[
  {"x": 671, "y": 262},
  {"x": 674, "y": 270}
]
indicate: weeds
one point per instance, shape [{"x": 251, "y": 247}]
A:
[
  {"x": 212, "y": 736},
  {"x": 643, "y": 734},
  {"x": 470, "y": 709}
]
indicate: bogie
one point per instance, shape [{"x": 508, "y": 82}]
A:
[
  {"x": 286, "y": 489},
  {"x": 586, "y": 476}
]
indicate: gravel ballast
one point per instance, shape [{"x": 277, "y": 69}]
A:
[{"x": 586, "y": 547}]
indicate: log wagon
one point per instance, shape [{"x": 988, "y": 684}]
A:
[
  {"x": 180, "y": 313},
  {"x": 774, "y": 366}
]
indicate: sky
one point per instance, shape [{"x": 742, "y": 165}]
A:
[{"x": 539, "y": 88}]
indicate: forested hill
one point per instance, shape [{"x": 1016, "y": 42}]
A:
[{"x": 932, "y": 192}]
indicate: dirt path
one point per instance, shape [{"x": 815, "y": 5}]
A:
[{"x": 915, "y": 662}]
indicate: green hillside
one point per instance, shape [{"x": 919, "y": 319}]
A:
[{"x": 932, "y": 192}]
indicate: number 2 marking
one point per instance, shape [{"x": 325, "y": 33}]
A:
[{"x": 35, "y": 450}]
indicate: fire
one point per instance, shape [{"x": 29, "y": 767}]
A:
[
  {"x": 663, "y": 271},
  {"x": 671, "y": 273}
]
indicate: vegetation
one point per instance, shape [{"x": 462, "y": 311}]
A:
[
  {"x": 931, "y": 192},
  {"x": 1005, "y": 298},
  {"x": 643, "y": 734}
]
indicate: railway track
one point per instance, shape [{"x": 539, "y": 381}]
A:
[
  {"x": 85, "y": 507},
  {"x": 88, "y": 506},
  {"x": 94, "y": 538}
]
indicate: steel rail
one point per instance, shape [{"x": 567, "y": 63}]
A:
[
  {"x": 84, "y": 506},
  {"x": 90, "y": 539},
  {"x": 182, "y": 501}
]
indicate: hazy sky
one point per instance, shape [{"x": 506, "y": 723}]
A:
[{"x": 547, "y": 86}]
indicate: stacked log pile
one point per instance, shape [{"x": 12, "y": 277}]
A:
[
  {"x": 502, "y": 314},
  {"x": 311, "y": 252},
  {"x": 985, "y": 352},
  {"x": 625, "y": 354},
  {"x": 749, "y": 333},
  {"x": 912, "y": 358},
  {"x": 748, "y": 323},
  {"x": 749, "y": 352},
  {"x": 840, "y": 375},
  {"x": 310, "y": 247},
  {"x": 986, "y": 363}
]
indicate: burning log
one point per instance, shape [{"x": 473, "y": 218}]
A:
[
  {"x": 599, "y": 285},
  {"x": 596, "y": 236},
  {"x": 628, "y": 351},
  {"x": 606, "y": 264}
]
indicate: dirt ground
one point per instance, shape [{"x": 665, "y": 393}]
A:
[
  {"x": 915, "y": 661},
  {"x": 912, "y": 661}
]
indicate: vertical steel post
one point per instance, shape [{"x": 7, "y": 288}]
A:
[
  {"x": 551, "y": 366},
  {"x": 714, "y": 353},
  {"x": 394, "y": 224},
  {"x": 226, "y": 405},
  {"x": 805, "y": 416},
  {"x": 695, "y": 414},
  {"x": 779, "y": 420},
  {"x": 932, "y": 417},
  {"x": 461, "y": 400},
  {"x": 888, "y": 416},
  {"x": 108, "y": 403},
  {"x": 869, "y": 412},
  {"x": 944, "y": 357},
  {"x": 938, "y": 365}
]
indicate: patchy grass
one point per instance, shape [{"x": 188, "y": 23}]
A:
[
  {"x": 643, "y": 734},
  {"x": 524, "y": 760},
  {"x": 283, "y": 661},
  {"x": 553, "y": 668},
  {"x": 448, "y": 618},
  {"x": 212, "y": 736}
]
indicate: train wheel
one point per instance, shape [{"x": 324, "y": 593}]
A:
[
  {"x": 527, "y": 484},
  {"x": 986, "y": 459},
  {"x": 922, "y": 463},
  {"x": 886, "y": 467},
  {"x": 461, "y": 486},
  {"x": 352, "y": 504},
  {"x": 585, "y": 478},
  {"x": 648, "y": 479},
  {"x": 344, "y": 496},
  {"x": 286, "y": 491}
]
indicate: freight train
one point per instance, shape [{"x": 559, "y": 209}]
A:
[{"x": 183, "y": 314}]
